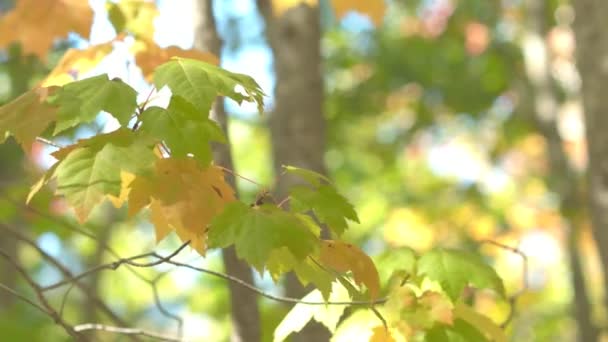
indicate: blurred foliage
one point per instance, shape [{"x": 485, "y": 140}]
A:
[{"x": 428, "y": 137}]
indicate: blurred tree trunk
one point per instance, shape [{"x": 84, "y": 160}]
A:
[
  {"x": 592, "y": 60},
  {"x": 246, "y": 324},
  {"x": 297, "y": 124},
  {"x": 562, "y": 177}
]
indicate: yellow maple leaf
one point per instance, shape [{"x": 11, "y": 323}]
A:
[
  {"x": 381, "y": 334},
  {"x": 374, "y": 9},
  {"x": 182, "y": 197},
  {"x": 148, "y": 55},
  {"x": 133, "y": 16},
  {"x": 343, "y": 257},
  {"x": 76, "y": 61},
  {"x": 36, "y": 24},
  {"x": 281, "y": 6}
]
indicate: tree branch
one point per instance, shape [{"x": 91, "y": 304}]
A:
[{"x": 124, "y": 331}]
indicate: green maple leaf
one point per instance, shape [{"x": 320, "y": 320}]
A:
[
  {"x": 90, "y": 169},
  {"x": 454, "y": 270},
  {"x": 314, "y": 178},
  {"x": 397, "y": 263},
  {"x": 81, "y": 101},
  {"x": 200, "y": 83},
  {"x": 183, "y": 128},
  {"x": 258, "y": 231},
  {"x": 328, "y": 205},
  {"x": 27, "y": 116}
]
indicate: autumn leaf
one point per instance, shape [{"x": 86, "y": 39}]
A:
[
  {"x": 344, "y": 257},
  {"x": 456, "y": 269},
  {"x": 257, "y": 231},
  {"x": 81, "y": 101},
  {"x": 381, "y": 334},
  {"x": 27, "y": 116},
  {"x": 183, "y": 197},
  {"x": 76, "y": 62},
  {"x": 133, "y": 16},
  {"x": 480, "y": 322},
  {"x": 460, "y": 331},
  {"x": 90, "y": 170},
  {"x": 36, "y": 24},
  {"x": 301, "y": 314},
  {"x": 374, "y": 9},
  {"x": 148, "y": 55},
  {"x": 184, "y": 129},
  {"x": 200, "y": 83}
]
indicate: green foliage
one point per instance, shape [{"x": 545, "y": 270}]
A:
[
  {"x": 80, "y": 101},
  {"x": 257, "y": 231},
  {"x": 200, "y": 83},
  {"x": 183, "y": 128},
  {"x": 461, "y": 331},
  {"x": 454, "y": 270}
]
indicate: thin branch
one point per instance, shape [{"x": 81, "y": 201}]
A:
[
  {"x": 525, "y": 282},
  {"x": 48, "y": 142},
  {"x": 124, "y": 331},
  {"x": 23, "y": 298},
  {"x": 51, "y": 312},
  {"x": 105, "y": 246},
  {"x": 239, "y": 176}
]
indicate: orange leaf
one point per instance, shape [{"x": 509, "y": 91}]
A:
[
  {"x": 374, "y": 9},
  {"x": 182, "y": 197},
  {"x": 36, "y": 24},
  {"x": 76, "y": 61},
  {"x": 148, "y": 56},
  {"x": 344, "y": 257}
]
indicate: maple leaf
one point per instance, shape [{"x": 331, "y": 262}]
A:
[
  {"x": 301, "y": 314},
  {"x": 183, "y": 197},
  {"x": 381, "y": 334},
  {"x": 479, "y": 322},
  {"x": 81, "y": 101},
  {"x": 200, "y": 83},
  {"x": 183, "y": 128},
  {"x": 257, "y": 231},
  {"x": 344, "y": 257},
  {"x": 76, "y": 62},
  {"x": 91, "y": 169},
  {"x": 374, "y": 9},
  {"x": 27, "y": 116},
  {"x": 148, "y": 55},
  {"x": 307, "y": 271},
  {"x": 36, "y": 24},
  {"x": 133, "y": 16},
  {"x": 456, "y": 269},
  {"x": 328, "y": 205},
  {"x": 460, "y": 331}
]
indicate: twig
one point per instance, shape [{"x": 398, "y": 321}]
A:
[
  {"x": 239, "y": 175},
  {"x": 124, "y": 331},
  {"x": 48, "y": 142},
  {"x": 23, "y": 298},
  {"x": 525, "y": 282},
  {"x": 51, "y": 312}
]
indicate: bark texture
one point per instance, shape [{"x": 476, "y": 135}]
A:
[
  {"x": 244, "y": 306},
  {"x": 563, "y": 179},
  {"x": 592, "y": 62},
  {"x": 297, "y": 123}
]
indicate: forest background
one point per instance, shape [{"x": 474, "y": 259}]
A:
[{"x": 445, "y": 123}]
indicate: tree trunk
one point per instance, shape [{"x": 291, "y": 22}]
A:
[
  {"x": 562, "y": 178},
  {"x": 297, "y": 124},
  {"x": 244, "y": 306},
  {"x": 592, "y": 62}
]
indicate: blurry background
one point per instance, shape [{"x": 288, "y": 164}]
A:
[{"x": 446, "y": 124}]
